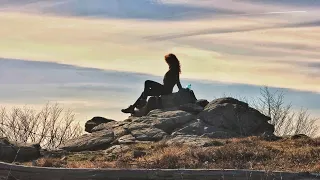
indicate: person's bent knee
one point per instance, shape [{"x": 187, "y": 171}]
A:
[{"x": 147, "y": 82}]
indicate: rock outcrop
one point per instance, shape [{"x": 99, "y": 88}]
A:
[
  {"x": 19, "y": 152},
  {"x": 95, "y": 121},
  {"x": 236, "y": 116},
  {"x": 180, "y": 118},
  {"x": 95, "y": 141},
  {"x": 171, "y": 101}
]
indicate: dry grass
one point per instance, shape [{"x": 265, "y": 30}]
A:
[
  {"x": 59, "y": 163},
  {"x": 50, "y": 162},
  {"x": 177, "y": 156},
  {"x": 300, "y": 155}
]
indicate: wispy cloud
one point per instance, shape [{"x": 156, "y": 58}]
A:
[
  {"x": 118, "y": 9},
  {"x": 231, "y": 30},
  {"x": 251, "y": 42},
  {"x": 96, "y": 92}
]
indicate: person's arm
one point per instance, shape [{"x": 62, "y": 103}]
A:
[{"x": 178, "y": 83}]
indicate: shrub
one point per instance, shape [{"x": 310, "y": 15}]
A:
[
  {"x": 283, "y": 117},
  {"x": 50, "y": 127}
]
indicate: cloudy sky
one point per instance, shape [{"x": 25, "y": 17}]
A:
[{"x": 93, "y": 55}]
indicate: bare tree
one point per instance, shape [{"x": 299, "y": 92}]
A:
[
  {"x": 285, "y": 119},
  {"x": 50, "y": 127}
]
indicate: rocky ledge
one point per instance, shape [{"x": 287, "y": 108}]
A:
[
  {"x": 176, "y": 118},
  {"x": 10, "y": 151}
]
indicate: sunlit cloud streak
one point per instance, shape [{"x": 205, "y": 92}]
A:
[
  {"x": 248, "y": 42},
  {"x": 96, "y": 92}
]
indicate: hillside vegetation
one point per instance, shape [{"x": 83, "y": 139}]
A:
[{"x": 289, "y": 154}]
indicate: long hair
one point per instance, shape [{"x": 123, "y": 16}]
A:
[{"x": 173, "y": 62}]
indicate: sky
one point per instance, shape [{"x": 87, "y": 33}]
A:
[{"x": 94, "y": 55}]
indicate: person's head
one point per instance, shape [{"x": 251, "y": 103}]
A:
[{"x": 173, "y": 62}]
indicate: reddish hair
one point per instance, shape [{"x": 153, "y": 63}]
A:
[{"x": 173, "y": 62}]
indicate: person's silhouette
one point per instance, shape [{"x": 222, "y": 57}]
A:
[{"x": 152, "y": 88}]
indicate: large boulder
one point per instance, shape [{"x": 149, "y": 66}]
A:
[
  {"x": 127, "y": 139},
  {"x": 116, "y": 126},
  {"x": 202, "y": 102},
  {"x": 181, "y": 119},
  {"x": 148, "y": 134},
  {"x": 94, "y": 141},
  {"x": 170, "y": 101},
  {"x": 155, "y": 126},
  {"x": 95, "y": 121},
  {"x": 184, "y": 96},
  {"x": 167, "y": 121},
  {"x": 191, "y": 108},
  {"x": 196, "y": 127},
  {"x": 236, "y": 116},
  {"x": 18, "y": 151}
]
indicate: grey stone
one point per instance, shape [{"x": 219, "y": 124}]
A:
[
  {"x": 95, "y": 141},
  {"x": 227, "y": 100},
  {"x": 184, "y": 96},
  {"x": 180, "y": 120},
  {"x": 117, "y": 149},
  {"x": 109, "y": 125},
  {"x": 136, "y": 125},
  {"x": 103, "y": 126},
  {"x": 196, "y": 127},
  {"x": 202, "y": 102},
  {"x": 164, "y": 120},
  {"x": 115, "y": 126},
  {"x": 120, "y": 131},
  {"x": 169, "y": 101},
  {"x": 235, "y": 116},
  {"x": 168, "y": 121},
  {"x": 95, "y": 121},
  {"x": 9, "y": 151},
  {"x": 127, "y": 139},
  {"x": 191, "y": 108},
  {"x": 148, "y": 134},
  {"x": 155, "y": 112}
]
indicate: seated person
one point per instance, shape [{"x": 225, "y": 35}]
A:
[{"x": 152, "y": 88}]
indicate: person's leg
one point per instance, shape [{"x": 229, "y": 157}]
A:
[
  {"x": 140, "y": 99},
  {"x": 151, "y": 88}
]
